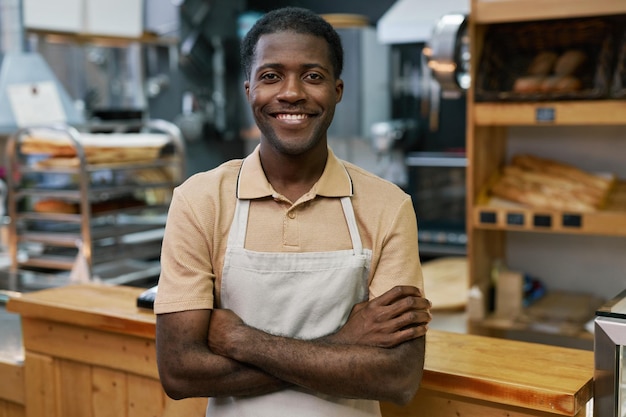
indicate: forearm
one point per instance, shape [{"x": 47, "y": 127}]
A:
[
  {"x": 189, "y": 368},
  {"x": 209, "y": 375},
  {"x": 352, "y": 371}
]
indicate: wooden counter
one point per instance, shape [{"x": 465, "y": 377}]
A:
[{"x": 90, "y": 353}]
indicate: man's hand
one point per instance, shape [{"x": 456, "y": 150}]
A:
[{"x": 400, "y": 314}]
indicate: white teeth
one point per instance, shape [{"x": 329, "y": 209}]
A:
[{"x": 291, "y": 116}]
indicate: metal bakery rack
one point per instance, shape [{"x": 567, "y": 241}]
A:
[{"x": 89, "y": 203}]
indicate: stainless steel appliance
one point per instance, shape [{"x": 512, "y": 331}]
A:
[
  {"x": 429, "y": 76},
  {"x": 365, "y": 97},
  {"x": 29, "y": 91},
  {"x": 433, "y": 148},
  {"x": 610, "y": 359}
]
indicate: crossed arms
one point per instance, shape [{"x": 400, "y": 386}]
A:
[{"x": 378, "y": 354}]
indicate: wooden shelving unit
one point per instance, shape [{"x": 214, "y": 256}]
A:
[
  {"x": 503, "y": 11},
  {"x": 487, "y": 133}
]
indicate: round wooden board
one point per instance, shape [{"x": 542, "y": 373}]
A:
[{"x": 446, "y": 282}]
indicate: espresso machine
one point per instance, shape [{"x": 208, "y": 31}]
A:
[{"x": 424, "y": 141}]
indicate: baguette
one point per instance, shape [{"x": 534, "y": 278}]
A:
[
  {"x": 539, "y": 198},
  {"x": 551, "y": 184},
  {"x": 531, "y": 162},
  {"x": 547, "y": 184}
]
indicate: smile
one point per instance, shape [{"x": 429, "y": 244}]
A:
[{"x": 284, "y": 116}]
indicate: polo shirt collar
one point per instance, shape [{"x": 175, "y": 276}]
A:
[{"x": 252, "y": 182}]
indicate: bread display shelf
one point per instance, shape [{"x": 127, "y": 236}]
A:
[
  {"x": 562, "y": 59},
  {"x": 144, "y": 214},
  {"x": 118, "y": 166},
  {"x": 70, "y": 237},
  {"x": 95, "y": 193},
  {"x": 569, "y": 113},
  {"x": 77, "y": 194},
  {"x": 496, "y": 214},
  {"x": 64, "y": 258},
  {"x": 499, "y": 11}
]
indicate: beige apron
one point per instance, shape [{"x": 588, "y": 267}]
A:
[{"x": 304, "y": 295}]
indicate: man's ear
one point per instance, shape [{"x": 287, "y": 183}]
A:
[
  {"x": 339, "y": 89},
  {"x": 246, "y": 86}
]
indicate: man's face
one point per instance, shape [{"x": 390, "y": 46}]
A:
[{"x": 292, "y": 91}]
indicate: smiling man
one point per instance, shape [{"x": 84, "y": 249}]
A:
[{"x": 291, "y": 281}]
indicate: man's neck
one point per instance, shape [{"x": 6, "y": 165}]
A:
[{"x": 293, "y": 176}]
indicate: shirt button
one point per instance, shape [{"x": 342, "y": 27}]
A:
[{"x": 292, "y": 215}]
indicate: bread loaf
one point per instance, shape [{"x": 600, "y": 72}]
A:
[
  {"x": 547, "y": 184},
  {"x": 63, "y": 207},
  {"x": 569, "y": 62},
  {"x": 528, "y": 84},
  {"x": 560, "y": 169},
  {"x": 551, "y": 73},
  {"x": 561, "y": 84},
  {"x": 55, "y": 206},
  {"x": 542, "y": 63}
]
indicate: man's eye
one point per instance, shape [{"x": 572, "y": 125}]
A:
[
  {"x": 314, "y": 76},
  {"x": 269, "y": 77}
]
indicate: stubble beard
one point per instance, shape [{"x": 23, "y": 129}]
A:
[{"x": 293, "y": 147}]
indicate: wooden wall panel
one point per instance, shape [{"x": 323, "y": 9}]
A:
[
  {"x": 40, "y": 386},
  {"x": 75, "y": 389},
  {"x": 146, "y": 397},
  {"x": 110, "y": 393},
  {"x": 12, "y": 382},
  {"x": 129, "y": 353}
]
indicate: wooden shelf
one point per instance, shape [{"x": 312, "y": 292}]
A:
[
  {"x": 103, "y": 40},
  {"x": 558, "y": 113},
  {"x": 494, "y": 214},
  {"x": 605, "y": 223},
  {"x": 500, "y": 11}
]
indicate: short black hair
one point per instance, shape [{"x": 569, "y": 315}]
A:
[{"x": 292, "y": 19}]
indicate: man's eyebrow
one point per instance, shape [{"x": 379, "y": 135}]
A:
[{"x": 276, "y": 65}]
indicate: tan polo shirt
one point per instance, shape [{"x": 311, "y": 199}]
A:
[{"x": 202, "y": 211}]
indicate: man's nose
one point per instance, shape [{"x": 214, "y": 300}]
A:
[{"x": 291, "y": 89}]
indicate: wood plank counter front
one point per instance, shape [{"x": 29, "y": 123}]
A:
[{"x": 90, "y": 353}]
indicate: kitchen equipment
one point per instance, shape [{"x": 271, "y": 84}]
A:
[
  {"x": 29, "y": 91},
  {"x": 388, "y": 141},
  {"x": 365, "y": 99},
  {"x": 191, "y": 121},
  {"x": 90, "y": 202},
  {"x": 610, "y": 358},
  {"x": 433, "y": 151},
  {"x": 436, "y": 181},
  {"x": 422, "y": 36},
  {"x": 448, "y": 54}
]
